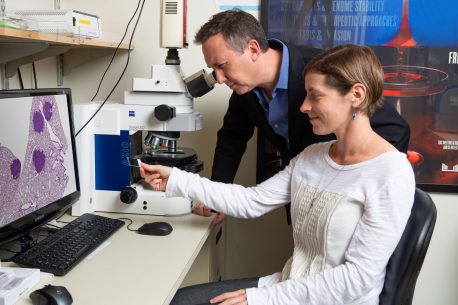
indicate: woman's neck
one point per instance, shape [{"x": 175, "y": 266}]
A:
[{"x": 357, "y": 144}]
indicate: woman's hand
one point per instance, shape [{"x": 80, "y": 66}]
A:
[
  {"x": 231, "y": 298},
  {"x": 155, "y": 175}
]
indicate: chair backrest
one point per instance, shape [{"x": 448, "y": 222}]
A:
[{"x": 405, "y": 263}]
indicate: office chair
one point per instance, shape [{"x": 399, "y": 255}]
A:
[{"x": 406, "y": 261}]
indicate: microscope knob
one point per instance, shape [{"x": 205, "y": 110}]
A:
[
  {"x": 128, "y": 195},
  {"x": 164, "y": 112}
]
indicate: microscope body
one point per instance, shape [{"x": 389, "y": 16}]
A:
[{"x": 145, "y": 127}]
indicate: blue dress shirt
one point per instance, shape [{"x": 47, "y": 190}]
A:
[{"x": 276, "y": 110}]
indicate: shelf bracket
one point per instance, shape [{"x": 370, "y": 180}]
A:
[
  {"x": 60, "y": 69},
  {"x": 11, "y": 51},
  {"x": 60, "y": 57},
  {"x": 51, "y": 50},
  {"x": 4, "y": 83},
  {"x": 2, "y": 8},
  {"x": 77, "y": 57}
]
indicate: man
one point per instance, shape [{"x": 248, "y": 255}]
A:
[{"x": 266, "y": 77}]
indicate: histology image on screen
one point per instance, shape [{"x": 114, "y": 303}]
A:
[{"x": 36, "y": 161}]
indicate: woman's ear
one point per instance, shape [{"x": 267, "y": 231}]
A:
[{"x": 358, "y": 94}]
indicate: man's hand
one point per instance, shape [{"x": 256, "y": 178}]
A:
[
  {"x": 155, "y": 175},
  {"x": 202, "y": 210},
  {"x": 231, "y": 298}
]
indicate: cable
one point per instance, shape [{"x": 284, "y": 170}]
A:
[
  {"x": 19, "y": 75},
  {"x": 53, "y": 226},
  {"x": 116, "y": 50},
  {"x": 23, "y": 243},
  {"x": 8, "y": 250},
  {"x": 34, "y": 74},
  {"x": 62, "y": 213},
  {"x": 128, "y": 226},
  {"x": 125, "y": 67}
]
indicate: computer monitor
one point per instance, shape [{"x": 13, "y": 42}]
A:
[{"x": 38, "y": 166}]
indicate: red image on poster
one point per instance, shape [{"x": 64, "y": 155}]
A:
[{"x": 417, "y": 44}]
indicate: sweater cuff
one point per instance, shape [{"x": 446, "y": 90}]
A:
[
  {"x": 254, "y": 296},
  {"x": 172, "y": 188}
]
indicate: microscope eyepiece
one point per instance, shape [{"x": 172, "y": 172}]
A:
[{"x": 200, "y": 83}]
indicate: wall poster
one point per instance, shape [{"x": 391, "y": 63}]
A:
[{"x": 417, "y": 43}]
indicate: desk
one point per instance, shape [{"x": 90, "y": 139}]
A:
[{"x": 135, "y": 269}]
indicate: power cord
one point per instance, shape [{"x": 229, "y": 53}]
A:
[
  {"x": 8, "y": 250},
  {"x": 53, "y": 226},
  {"x": 125, "y": 67},
  {"x": 22, "y": 244},
  {"x": 116, "y": 51}
]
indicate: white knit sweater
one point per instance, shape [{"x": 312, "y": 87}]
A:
[{"x": 346, "y": 221}]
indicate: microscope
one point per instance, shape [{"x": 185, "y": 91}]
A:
[{"x": 145, "y": 127}]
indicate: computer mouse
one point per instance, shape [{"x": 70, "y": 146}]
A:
[
  {"x": 51, "y": 295},
  {"x": 159, "y": 228}
]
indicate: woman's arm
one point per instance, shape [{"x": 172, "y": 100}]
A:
[{"x": 231, "y": 199}]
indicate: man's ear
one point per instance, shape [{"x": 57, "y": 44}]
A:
[
  {"x": 358, "y": 94},
  {"x": 253, "y": 48}
]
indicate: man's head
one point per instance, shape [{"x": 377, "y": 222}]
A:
[
  {"x": 232, "y": 42},
  {"x": 237, "y": 28},
  {"x": 347, "y": 65}
]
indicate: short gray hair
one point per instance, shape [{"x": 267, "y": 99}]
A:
[{"x": 237, "y": 27}]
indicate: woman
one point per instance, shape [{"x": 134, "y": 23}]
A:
[{"x": 351, "y": 198}]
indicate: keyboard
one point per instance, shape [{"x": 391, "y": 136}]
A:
[{"x": 59, "y": 252}]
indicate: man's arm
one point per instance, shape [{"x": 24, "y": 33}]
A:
[
  {"x": 231, "y": 144},
  {"x": 232, "y": 141},
  {"x": 387, "y": 122}
]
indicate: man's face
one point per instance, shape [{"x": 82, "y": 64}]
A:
[{"x": 232, "y": 68}]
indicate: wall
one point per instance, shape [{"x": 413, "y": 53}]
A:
[
  {"x": 245, "y": 237},
  {"x": 438, "y": 280},
  {"x": 268, "y": 235},
  {"x": 84, "y": 79}
]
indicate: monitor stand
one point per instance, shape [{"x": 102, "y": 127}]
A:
[{"x": 14, "y": 247}]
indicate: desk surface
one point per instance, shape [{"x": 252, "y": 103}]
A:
[{"x": 133, "y": 268}]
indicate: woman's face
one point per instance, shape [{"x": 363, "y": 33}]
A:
[{"x": 329, "y": 111}]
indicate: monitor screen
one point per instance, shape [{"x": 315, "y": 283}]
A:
[{"x": 38, "y": 166}]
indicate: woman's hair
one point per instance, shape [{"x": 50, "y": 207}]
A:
[
  {"x": 347, "y": 65},
  {"x": 237, "y": 27}
]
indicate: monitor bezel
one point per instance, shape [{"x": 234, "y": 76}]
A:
[{"x": 28, "y": 223}]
